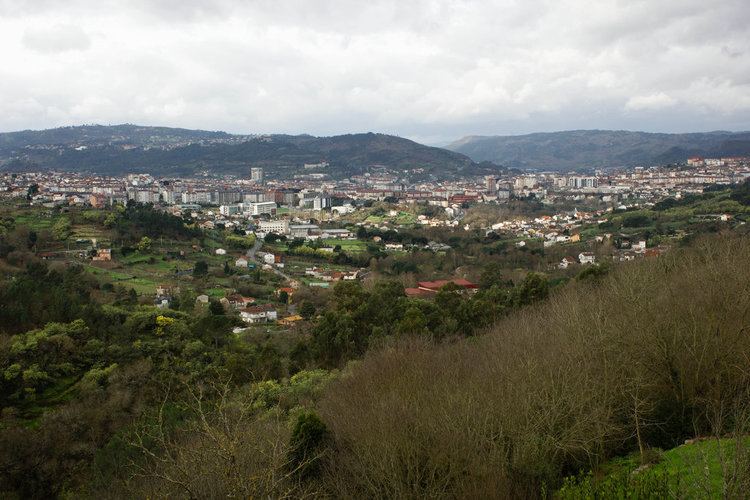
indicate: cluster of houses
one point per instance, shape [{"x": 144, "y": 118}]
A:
[
  {"x": 554, "y": 229},
  {"x": 329, "y": 275}
]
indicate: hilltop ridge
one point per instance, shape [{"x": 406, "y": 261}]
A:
[{"x": 579, "y": 149}]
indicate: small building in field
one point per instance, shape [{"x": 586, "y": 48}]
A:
[
  {"x": 103, "y": 254},
  {"x": 586, "y": 258}
]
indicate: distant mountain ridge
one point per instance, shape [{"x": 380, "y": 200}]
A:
[
  {"x": 579, "y": 149},
  {"x": 129, "y": 148}
]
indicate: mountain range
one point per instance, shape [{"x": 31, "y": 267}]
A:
[
  {"x": 168, "y": 151},
  {"x": 120, "y": 149},
  {"x": 585, "y": 149}
]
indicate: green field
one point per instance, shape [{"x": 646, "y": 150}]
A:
[
  {"x": 704, "y": 469},
  {"x": 348, "y": 246}
]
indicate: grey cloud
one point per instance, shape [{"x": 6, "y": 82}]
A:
[{"x": 432, "y": 69}]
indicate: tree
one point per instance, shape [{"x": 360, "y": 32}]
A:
[
  {"x": 200, "y": 268},
  {"x": 61, "y": 229},
  {"x": 227, "y": 270},
  {"x": 144, "y": 245},
  {"x": 307, "y": 309},
  {"x": 215, "y": 307},
  {"x": 283, "y": 297},
  {"x": 307, "y": 444},
  {"x": 111, "y": 220},
  {"x": 33, "y": 189},
  {"x": 533, "y": 288},
  {"x": 491, "y": 275},
  {"x": 414, "y": 322}
]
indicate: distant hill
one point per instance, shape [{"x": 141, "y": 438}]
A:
[
  {"x": 168, "y": 151},
  {"x": 578, "y": 149},
  {"x": 109, "y": 134}
]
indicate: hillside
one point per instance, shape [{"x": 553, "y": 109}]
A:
[
  {"x": 103, "y": 134},
  {"x": 164, "y": 151},
  {"x": 578, "y": 149},
  {"x": 696, "y": 469},
  {"x": 554, "y": 388}
]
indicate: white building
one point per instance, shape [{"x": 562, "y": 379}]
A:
[
  {"x": 274, "y": 226},
  {"x": 256, "y": 175},
  {"x": 302, "y": 230},
  {"x": 263, "y": 207},
  {"x": 228, "y": 210},
  {"x": 200, "y": 197},
  {"x": 321, "y": 202},
  {"x": 259, "y": 314},
  {"x": 586, "y": 258}
]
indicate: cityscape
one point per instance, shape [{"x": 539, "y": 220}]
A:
[{"x": 433, "y": 249}]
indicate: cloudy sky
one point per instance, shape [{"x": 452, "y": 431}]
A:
[{"x": 429, "y": 70}]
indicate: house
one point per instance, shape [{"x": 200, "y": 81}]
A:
[
  {"x": 220, "y": 251},
  {"x": 267, "y": 257},
  {"x": 419, "y": 293},
  {"x": 566, "y": 262},
  {"x": 166, "y": 290},
  {"x": 162, "y": 302},
  {"x": 241, "y": 262},
  {"x": 103, "y": 254},
  {"x": 434, "y": 286},
  {"x": 290, "y": 320},
  {"x": 289, "y": 292},
  {"x": 239, "y": 301},
  {"x": 586, "y": 258},
  {"x": 259, "y": 314},
  {"x": 201, "y": 299}
]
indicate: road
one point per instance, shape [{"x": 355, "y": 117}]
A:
[{"x": 251, "y": 255}]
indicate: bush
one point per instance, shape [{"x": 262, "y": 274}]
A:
[{"x": 307, "y": 444}]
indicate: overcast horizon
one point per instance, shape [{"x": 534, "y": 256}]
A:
[{"x": 432, "y": 71}]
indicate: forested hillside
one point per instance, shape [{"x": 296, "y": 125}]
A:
[
  {"x": 163, "y": 151},
  {"x": 579, "y": 149}
]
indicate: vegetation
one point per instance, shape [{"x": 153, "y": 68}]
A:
[
  {"x": 599, "y": 370},
  {"x": 595, "y": 148},
  {"x": 541, "y": 382},
  {"x": 348, "y": 154}
]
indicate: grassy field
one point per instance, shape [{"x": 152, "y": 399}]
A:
[
  {"x": 348, "y": 246},
  {"x": 704, "y": 469}
]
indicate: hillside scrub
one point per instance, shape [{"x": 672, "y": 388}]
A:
[{"x": 651, "y": 354}]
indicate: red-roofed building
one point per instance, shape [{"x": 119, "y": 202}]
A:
[
  {"x": 434, "y": 286},
  {"x": 419, "y": 293}
]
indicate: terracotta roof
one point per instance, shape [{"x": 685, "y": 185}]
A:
[
  {"x": 438, "y": 284},
  {"x": 418, "y": 292}
]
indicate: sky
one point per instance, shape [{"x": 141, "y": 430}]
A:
[{"x": 433, "y": 71}]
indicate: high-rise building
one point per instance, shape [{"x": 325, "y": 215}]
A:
[
  {"x": 256, "y": 175},
  {"x": 225, "y": 197},
  {"x": 490, "y": 184}
]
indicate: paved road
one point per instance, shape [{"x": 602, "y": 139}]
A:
[
  {"x": 251, "y": 255},
  {"x": 256, "y": 246}
]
